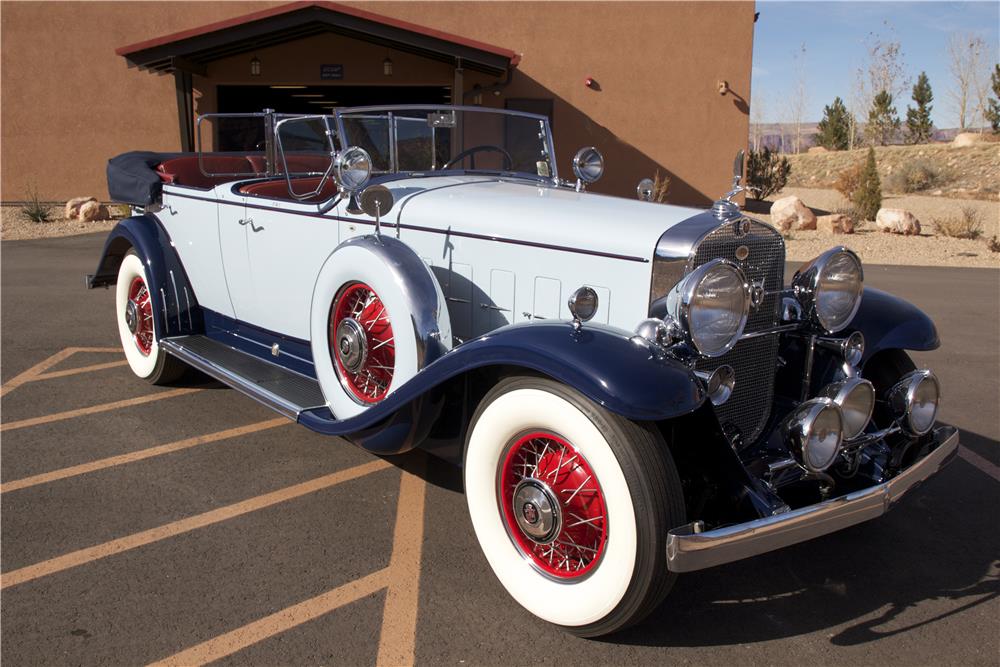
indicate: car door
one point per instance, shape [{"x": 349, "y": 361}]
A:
[{"x": 233, "y": 229}]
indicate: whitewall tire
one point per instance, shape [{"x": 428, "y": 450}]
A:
[
  {"x": 571, "y": 505},
  {"x": 135, "y": 315}
]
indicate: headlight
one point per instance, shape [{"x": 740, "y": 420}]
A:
[
  {"x": 914, "y": 400},
  {"x": 814, "y": 432},
  {"x": 830, "y": 287},
  {"x": 856, "y": 398},
  {"x": 353, "y": 167},
  {"x": 711, "y": 306}
]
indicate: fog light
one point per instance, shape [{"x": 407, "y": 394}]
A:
[
  {"x": 914, "y": 400},
  {"x": 814, "y": 433},
  {"x": 719, "y": 383},
  {"x": 856, "y": 398},
  {"x": 852, "y": 348}
]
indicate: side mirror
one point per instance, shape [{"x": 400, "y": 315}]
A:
[
  {"x": 352, "y": 168},
  {"x": 376, "y": 201},
  {"x": 588, "y": 166},
  {"x": 644, "y": 191}
]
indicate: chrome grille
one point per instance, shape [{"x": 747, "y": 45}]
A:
[{"x": 752, "y": 359}]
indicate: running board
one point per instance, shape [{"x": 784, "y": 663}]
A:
[{"x": 278, "y": 388}]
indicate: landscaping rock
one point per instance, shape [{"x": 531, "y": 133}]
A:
[
  {"x": 816, "y": 149},
  {"x": 967, "y": 139},
  {"x": 92, "y": 210},
  {"x": 73, "y": 206},
  {"x": 837, "y": 223},
  {"x": 790, "y": 213},
  {"x": 897, "y": 221}
]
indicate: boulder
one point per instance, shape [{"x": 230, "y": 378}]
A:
[
  {"x": 897, "y": 221},
  {"x": 92, "y": 210},
  {"x": 817, "y": 149},
  {"x": 837, "y": 223},
  {"x": 790, "y": 213},
  {"x": 73, "y": 206},
  {"x": 967, "y": 139}
]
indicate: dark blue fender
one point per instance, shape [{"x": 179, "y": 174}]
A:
[
  {"x": 888, "y": 322},
  {"x": 599, "y": 361},
  {"x": 175, "y": 307}
]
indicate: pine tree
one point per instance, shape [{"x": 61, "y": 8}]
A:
[
  {"x": 835, "y": 128},
  {"x": 993, "y": 113},
  {"x": 918, "y": 120},
  {"x": 867, "y": 198},
  {"x": 882, "y": 119}
]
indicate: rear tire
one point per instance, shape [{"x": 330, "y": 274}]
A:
[
  {"x": 614, "y": 574},
  {"x": 135, "y": 315}
]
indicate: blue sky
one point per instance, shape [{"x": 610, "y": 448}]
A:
[{"x": 834, "y": 34}]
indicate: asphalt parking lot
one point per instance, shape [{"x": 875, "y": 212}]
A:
[{"x": 189, "y": 525}]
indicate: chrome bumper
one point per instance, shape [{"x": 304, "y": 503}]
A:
[{"x": 688, "y": 550}]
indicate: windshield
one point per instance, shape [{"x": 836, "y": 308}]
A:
[{"x": 410, "y": 139}]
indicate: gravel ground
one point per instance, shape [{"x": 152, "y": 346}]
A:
[
  {"x": 15, "y": 226},
  {"x": 876, "y": 247}
]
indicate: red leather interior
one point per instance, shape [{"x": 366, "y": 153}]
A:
[
  {"x": 187, "y": 170},
  {"x": 278, "y": 189}
]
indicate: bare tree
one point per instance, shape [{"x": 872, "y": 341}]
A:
[
  {"x": 799, "y": 98},
  {"x": 757, "y": 112},
  {"x": 967, "y": 62},
  {"x": 883, "y": 70}
]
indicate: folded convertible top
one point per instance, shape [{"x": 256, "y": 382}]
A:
[{"x": 132, "y": 178}]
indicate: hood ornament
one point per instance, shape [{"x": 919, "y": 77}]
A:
[{"x": 726, "y": 208}]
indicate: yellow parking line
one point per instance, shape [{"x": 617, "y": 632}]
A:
[
  {"x": 104, "y": 407},
  {"x": 401, "y": 577},
  {"x": 121, "y": 459},
  {"x": 174, "y": 528},
  {"x": 257, "y": 631},
  {"x": 82, "y": 369},
  {"x": 36, "y": 370}
]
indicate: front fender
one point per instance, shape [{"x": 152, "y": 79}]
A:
[
  {"x": 888, "y": 322},
  {"x": 175, "y": 307},
  {"x": 599, "y": 361}
]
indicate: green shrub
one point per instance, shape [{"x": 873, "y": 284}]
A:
[
  {"x": 867, "y": 197},
  {"x": 913, "y": 177},
  {"x": 34, "y": 209},
  {"x": 969, "y": 225},
  {"x": 767, "y": 173}
]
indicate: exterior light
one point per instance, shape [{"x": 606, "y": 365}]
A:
[
  {"x": 477, "y": 94},
  {"x": 255, "y": 66},
  {"x": 387, "y": 67}
]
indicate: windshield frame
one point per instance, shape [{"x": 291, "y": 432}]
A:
[{"x": 549, "y": 144}]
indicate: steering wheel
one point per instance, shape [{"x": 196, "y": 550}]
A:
[{"x": 470, "y": 152}]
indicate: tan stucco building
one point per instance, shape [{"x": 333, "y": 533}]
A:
[{"x": 84, "y": 81}]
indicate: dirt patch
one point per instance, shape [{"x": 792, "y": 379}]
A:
[
  {"x": 970, "y": 172},
  {"x": 15, "y": 225},
  {"x": 874, "y": 247}
]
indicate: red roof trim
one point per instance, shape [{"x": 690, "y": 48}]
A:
[{"x": 331, "y": 6}]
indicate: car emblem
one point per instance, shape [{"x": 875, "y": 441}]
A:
[
  {"x": 742, "y": 253},
  {"x": 530, "y": 513},
  {"x": 756, "y": 293},
  {"x": 741, "y": 227}
]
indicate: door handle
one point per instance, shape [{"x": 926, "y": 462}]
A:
[{"x": 245, "y": 221}]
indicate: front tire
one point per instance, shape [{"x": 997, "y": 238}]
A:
[
  {"x": 135, "y": 315},
  {"x": 536, "y": 448}
]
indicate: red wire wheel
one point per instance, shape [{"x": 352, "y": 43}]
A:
[
  {"x": 362, "y": 343},
  {"x": 553, "y": 507},
  {"x": 139, "y": 315}
]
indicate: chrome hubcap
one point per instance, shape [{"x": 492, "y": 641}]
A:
[
  {"x": 536, "y": 511},
  {"x": 131, "y": 316},
  {"x": 352, "y": 345}
]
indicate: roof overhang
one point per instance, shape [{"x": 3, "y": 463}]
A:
[{"x": 192, "y": 50}]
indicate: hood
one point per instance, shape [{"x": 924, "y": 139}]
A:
[{"x": 525, "y": 211}]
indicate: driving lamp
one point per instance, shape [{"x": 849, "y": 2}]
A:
[
  {"x": 711, "y": 305},
  {"x": 353, "y": 168},
  {"x": 914, "y": 400},
  {"x": 856, "y": 398},
  {"x": 829, "y": 288},
  {"x": 583, "y": 304},
  {"x": 588, "y": 165},
  {"x": 814, "y": 432}
]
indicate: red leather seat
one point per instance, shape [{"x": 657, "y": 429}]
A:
[
  {"x": 187, "y": 170},
  {"x": 278, "y": 189}
]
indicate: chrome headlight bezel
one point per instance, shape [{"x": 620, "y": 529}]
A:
[
  {"x": 902, "y": 397},
  {"x": 808, "y": 286},
  {"x": 352, "y": 168},
  {"x": 856, "y": 398},
  {"x": 680, "y": 305},
  {"x": 799, "y": 431}
]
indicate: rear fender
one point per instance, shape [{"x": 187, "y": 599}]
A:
[{"x": 175, "y": 307}]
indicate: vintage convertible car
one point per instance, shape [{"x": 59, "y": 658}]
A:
[{"x": 632, "y": 389}]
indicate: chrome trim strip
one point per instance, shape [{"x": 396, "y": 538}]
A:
[
  {"x": 773, "y": 330},
  {"x": 177, "y": 299},
  {"x": 689, "y": 550},
  {"x": 227, "y": 377}
]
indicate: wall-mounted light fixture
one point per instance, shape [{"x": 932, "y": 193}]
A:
[
  {"x": 387, "y": 67},
  {"x": 477, "y": 95},
  {"x": 723, "y": 87},
  {"x": 255, "y": 66}
]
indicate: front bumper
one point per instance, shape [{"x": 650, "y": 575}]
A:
[{"x": 688, "y": 550}]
